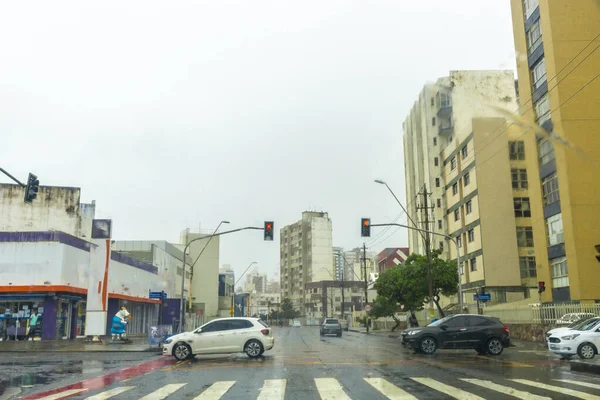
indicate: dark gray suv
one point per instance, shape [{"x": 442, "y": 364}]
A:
[{"x": 331, "y": 326}]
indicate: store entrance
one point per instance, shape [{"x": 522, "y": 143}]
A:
[{"x": 63, "y": 319}]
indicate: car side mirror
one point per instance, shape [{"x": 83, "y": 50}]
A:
[
  {"x": 198, "y": 331},
  {"x": 444, "y": 327}
]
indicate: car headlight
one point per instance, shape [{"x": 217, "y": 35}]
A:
[
  {"x": 414, "y": 332},
  {"x": 168, "y": 341},
  {"x": 570, "y": 337}
]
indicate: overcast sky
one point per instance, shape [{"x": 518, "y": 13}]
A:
[{"x": 179, "y": 114}]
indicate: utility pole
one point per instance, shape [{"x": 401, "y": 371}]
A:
[
  {"x": 366, "y": 281},
  {"x": 342, "y": 308},
  {"x": 427, "y": 239}
]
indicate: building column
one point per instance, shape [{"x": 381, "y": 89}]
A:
[{"x": 49, "y": 318}]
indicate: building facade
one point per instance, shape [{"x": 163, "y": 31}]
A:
[
  {"x": 305, "y": 256},
  {"x": 559, "y": 89},
  {"x": 338, "y": 262},
  {"x": 391, "y": 257}
]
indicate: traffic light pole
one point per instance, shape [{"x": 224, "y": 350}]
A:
[
  {"x": 182, "y": 299},
  {"x": 447, "y": 237},
  {"x": 12, "y": 177}
]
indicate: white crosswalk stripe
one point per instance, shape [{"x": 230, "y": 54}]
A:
[
  {"x": 62, "y": 395},
  {"x": 392, "y": 392},
  {"x": 447, "y": 389},
  {"x": 330, "y": 389},
  {"x": 558, "y": 389},
  {"x": 506, "y": 390},
  {"x": 215, "y": 391},
  {"x": 164, "y": 391},
  {"x": 110, "y": 393},
  {"x": 273, "y": 389},
  {"x": 585, "y": 384}
]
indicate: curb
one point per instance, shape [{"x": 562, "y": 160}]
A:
[
  {"x": 582, "y": 366},
  {"x": 149, "y": 350}
]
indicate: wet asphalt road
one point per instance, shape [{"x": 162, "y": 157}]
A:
[{"x": 305, "y": 366}]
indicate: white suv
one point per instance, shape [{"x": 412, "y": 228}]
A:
[
  {"x": 222, "y": 336},
  {"x": 583, "y": 341}
]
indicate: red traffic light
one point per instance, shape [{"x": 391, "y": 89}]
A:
[
  {"x": 268, "y": 230},
  {"x": 366, "y": 222},
  {"x": 365, "y": 226}
]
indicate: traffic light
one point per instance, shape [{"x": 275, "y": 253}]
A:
[
  {"x": 269, "y": 230},
  {"x": 541, "y": 287},
  {"x": 32, "y": 188},
  {"x": 365, "y": 227},
  {"x": 598, "y": 250}
]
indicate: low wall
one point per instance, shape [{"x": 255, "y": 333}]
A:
[{"x": 531, "y": 332}]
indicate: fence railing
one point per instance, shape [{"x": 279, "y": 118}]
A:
[{"x": 534, "y": 313}]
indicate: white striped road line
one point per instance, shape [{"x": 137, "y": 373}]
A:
[
  {"x": 447, "y": 389},
  {"x": 585, "y": 384},
  {"x": 558, "y": 389},
  {"x": 506, "y": 390},
  {"x": 330, "y": 389},
  {"x": 163, "y": 391},
  {"x": 61, "y": 395},
  {"x": 110, "y": 393},
  {"x": 392, "y": 392},
  {"x": 215, "y": 391},
  {"x": 273, "y": 389}
]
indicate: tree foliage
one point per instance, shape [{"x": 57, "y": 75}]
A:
[
  {"x": 287, "y": 309},
  {"x": 385, "y": 307},
  {"x": 407, "y": 284}
]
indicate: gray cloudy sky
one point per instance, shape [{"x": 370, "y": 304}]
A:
[{"x": 170, "y": 114}]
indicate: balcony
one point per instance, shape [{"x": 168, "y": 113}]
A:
[
  {"x": 445, "y": 128},
  {"x": 443, "y": 104}
]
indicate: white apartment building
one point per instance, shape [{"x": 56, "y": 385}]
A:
[{"x": 305, "y": 256}]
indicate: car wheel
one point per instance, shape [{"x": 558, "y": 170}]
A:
[
  {"x": 253, "y": 348},
  {"x": 428, "y": 345},
  {"x": 494, "y": 347},
  {"x": 182, "y": 351},
  {"x": 586, "y": 351}
]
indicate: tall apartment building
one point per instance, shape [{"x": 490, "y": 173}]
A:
[
  {"x": 256, "y": 281},
  {"x": 338, "y": 262},
  {"x": 353, "y": 264},
  {"x": 558, "y": 85},
  {"x": 480, "y": 192},
  {"x": 305, "y": 256}
]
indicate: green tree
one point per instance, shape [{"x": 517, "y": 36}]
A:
[
  {"x": 287, "y": 309},
  {"x": 385, "y": 307}
]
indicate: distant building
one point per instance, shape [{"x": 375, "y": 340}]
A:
[
  {"x": 353, "y": 264},
  {"x": 338, "y": 262},
  {"x": 256, "y": 281},
  {"x": 391, "y": 257},
  {"x": 273, "y": 287}
]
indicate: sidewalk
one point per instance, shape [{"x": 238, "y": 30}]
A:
[{"x": 137, "y": 344}]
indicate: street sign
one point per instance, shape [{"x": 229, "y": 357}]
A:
[
  {"x": 482, "y": 296},
  {"x": 368, "y": 308},
  {"x": 157, "y": 295}
]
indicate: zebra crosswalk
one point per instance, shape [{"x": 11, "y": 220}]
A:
[{"x": 333, "y": 389}]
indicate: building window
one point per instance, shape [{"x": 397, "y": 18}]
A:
[
  {"x": 437, "y": 182},
  {"x": 436, "y": 161},
  {"x": 433, "y": 121},
  {"x": 439, "y": 224},
  {"x": 441, "y": 245},
  {"x": 524, "y": 236},
  {"x": 432, "y": 102},
  {"x": 456, "y": 214},
  {"x": 471, "y": 235},
  {"x": 542, "y": 110},
  {"x": 527, "y": 266},
  {"x": 555, "y": 230},
  {"x": 464, "y": 152},
  {"x": 455, "y": 188},
  {"x": 469, "y": 206},
  {"x": 522, "y": 207},
  {"x": 534, "y": 37},
  {"x": 545, "y": 151},
  {"x": 453, "y": 163},
  {"x": 435, "y": 141},
  {"x": 550, "y": 191},
  {"x": 529, "y": 7},
  {"x": 467, "y": 179},
  {"x": 516, "y": 150},
  {"x": 439, "y": 203},
  {"x": 459, "y": 241},
  {"x": 473, "y": 263},
  {"x": 560, "y": 272},
  {"x": 450, "y": 139},
  {"x": 538, "y": 73},
  {"x": 519, "y": 178}
]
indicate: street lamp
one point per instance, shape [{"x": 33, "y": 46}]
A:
[
  {"x": 236, "y": 282},
  {"x": 399, "y": 203}
]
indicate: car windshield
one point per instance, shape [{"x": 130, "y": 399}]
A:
[
  {"x": 581, "y": 322},
  {"x": 440, "y": 321},
  {"x": 588, "y": 325}
]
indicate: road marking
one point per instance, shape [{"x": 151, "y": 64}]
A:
[
  {"x": 62, "y": 395},
  {"x": 392, "y": 392},
  {"x": 570, "y": 392},
  {"x": 215, "y": 391},
  {"x": 273, "y": 389},
  {"x": 506, "y": 390},
  {"x": 447, "y": 389},
  {"x": 585, "y": 384},
  {"x": 110, "y": 393},
  {"x": 163, "y": 391},
  {"x": 176, "y": 365},
  {"x": 330, "y": 389}
]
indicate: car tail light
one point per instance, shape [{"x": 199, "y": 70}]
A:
[
  {"x": 505, "y": 329},
  {"x": 265, "y": 332}
]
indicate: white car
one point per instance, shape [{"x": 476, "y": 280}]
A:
[
  {"x": 297, "y": 324},
  {"x": 222, "y": 336},
  {"x": 573, "y": 317},
  {"x": 584, "y": 341},
  {"x": 574, "y": 325}
]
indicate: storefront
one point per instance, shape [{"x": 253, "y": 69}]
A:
[{"x": 15, "y": 314}]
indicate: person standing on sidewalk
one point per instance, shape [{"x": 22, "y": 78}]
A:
[{"x": 33, "y": 320}]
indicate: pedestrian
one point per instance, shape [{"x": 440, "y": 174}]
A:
[
  {"x": 33, "y": 320},
  {"x": 413, "y": 320}
]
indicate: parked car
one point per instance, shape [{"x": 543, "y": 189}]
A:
[
  {"x": 297, "y": 324},
  {"x": 486, "y": 335},
  {"x": 583, "y": 341},
  {"x": 574, "y": 325},
  {"x": 331, "y": 326},
  {"x": 573, "y": 317},
  {"x": 222, "y": 336}
]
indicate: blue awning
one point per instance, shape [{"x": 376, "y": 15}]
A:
[{"x": 22, "y": 296}]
